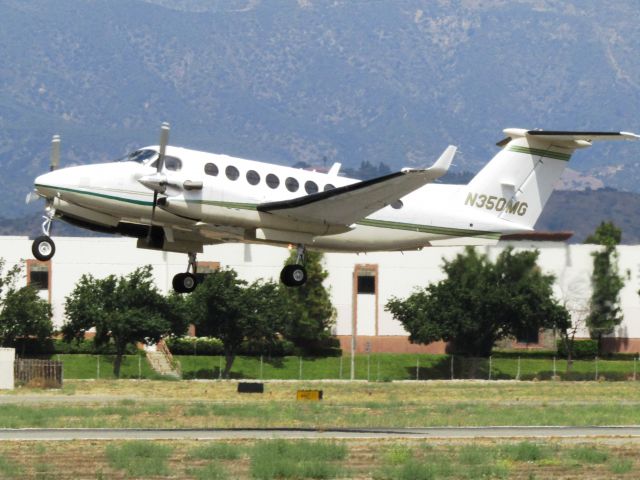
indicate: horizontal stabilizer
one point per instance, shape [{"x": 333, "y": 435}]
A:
[
  {"x": 571, "y": 139},
  {"x": 346, "y": 205}
]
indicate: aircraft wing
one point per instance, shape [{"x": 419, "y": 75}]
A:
[{"x": 346, "y": 205}]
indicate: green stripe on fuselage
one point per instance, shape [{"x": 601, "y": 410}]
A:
[
  {"x": 250, "y": 206},
  {"x": 412, "y": 227},
  {"x": 100, "y": 195}
]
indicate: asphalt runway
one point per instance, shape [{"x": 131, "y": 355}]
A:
[{"x": 66, "y": 434}]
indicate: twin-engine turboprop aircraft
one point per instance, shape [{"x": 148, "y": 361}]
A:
[{"x": 178, "y": 200}]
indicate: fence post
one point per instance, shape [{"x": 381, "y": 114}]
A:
[
  {"x": 596, "y": 379},
  {"x": 634, "y": 368},
  {"x": 489, "y": 367},
  {"x": 451, "y": 367},
  {"x": 418, "y": 368},
  {"x": 518, "y": 372},
  {"x": 300, "y": 370},
  {"x": 341, "y": 357},
  {"x": 98, "y": 367},
  {"x": 261, "y": 366},
  {"x": 220, "y": 368},
  {"x": 554, "y": 367},
  {"x": 378, "y": 373},
  {"x": 139, "y": 367},
  {"x": 368, "y": 367}
]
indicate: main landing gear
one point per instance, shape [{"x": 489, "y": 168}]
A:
[
  {"x": 186, "y": 282},
  {"x": 43, "y": 247},
  {"x": 295, "y": 275}
]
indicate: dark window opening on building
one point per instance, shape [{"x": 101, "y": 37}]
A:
[
  {"x": 39, "y": 277},
  {"x": 366, "y": 284},
  {"x": 531, "y": 335}
]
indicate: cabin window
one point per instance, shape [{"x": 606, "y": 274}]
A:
[
  {"x": 311, "y": 187},
  {"x": 291, "y": 184},
  {"x": 172, "y": 163},
  {"x": 328, "y": 186},
  {"x": 139, "y": 156},
  {"x": 253, "y": 177},
  {"x": 211, "y": 169},
  {"x": 232, "y": 172},
  {"x": 397, "y": 204},
  {"x": 273, "y": 181}
]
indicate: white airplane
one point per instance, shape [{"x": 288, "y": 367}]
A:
[{"x": 175, "y": 199}]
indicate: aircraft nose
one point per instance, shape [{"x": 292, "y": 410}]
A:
[{"x": 47, "y": 183}]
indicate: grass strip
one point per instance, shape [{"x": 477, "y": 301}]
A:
[{"x": 139, "y": 458}]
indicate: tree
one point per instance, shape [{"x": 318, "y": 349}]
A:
[
  {"x": 576, "y": 301},
  {"x": 226, "y": 307},
  {"x": 606, "y": 282},
  {"x": 23, "y": 314},
  {"x": 481, "y": 302},
  {"x": 309, "y": 312},
  {"x": 124, "y": 310}
]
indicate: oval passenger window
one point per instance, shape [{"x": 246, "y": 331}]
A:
[
  {"x": 211, "y": 169},
  {"x": 273, "y": 181},
  {"x": 232, "y": 172},
  {"x": 292, "y": 184},
  {"x": 253, "y": 177},
  {"x": 311, "y": 187}
]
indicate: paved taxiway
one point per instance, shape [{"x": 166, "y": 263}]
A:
[{"x": 612, "y": 432}]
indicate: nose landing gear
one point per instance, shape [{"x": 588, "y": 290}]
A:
[
  {"x": 186, "y": 282},
  {"x": 43, "y": 247},
  {"x": 295, "y": 275}
]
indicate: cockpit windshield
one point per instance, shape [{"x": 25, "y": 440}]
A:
[{"x": 140, "y": 156}]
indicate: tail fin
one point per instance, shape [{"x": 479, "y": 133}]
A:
[{"x": 516, "y": 184}]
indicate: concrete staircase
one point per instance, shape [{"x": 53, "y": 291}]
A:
[{"x": 162, "y": 363}]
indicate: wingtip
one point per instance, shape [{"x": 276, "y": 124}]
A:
[
  {"x": 444, "y": 161},
  {"x": 630, "y": 136}
]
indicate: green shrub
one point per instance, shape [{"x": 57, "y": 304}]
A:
[
  {"x": 586, "y": 348},
  {"x": 195, "y": 346},
  {"x": 213, "y": 347},
  {"x": 30, "y": 347}
]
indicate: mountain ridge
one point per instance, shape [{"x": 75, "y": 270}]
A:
[{"x": 349, "y": 81}]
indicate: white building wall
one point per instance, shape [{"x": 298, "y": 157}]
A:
[{"x": 398, "y": 273}]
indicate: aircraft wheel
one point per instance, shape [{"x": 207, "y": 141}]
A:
[
  {"x": 293, "y": 275},
  {"x": 43, "y": 248},
  {"x": 184, "y": 282}
]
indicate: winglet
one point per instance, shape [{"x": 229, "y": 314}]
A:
[
  {"x": 335, "y": 169},
  {"x": 440, "y": 167}
]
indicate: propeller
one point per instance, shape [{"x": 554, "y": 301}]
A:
[
  {"x": 160, "y": 184},
  {"x": 55, "y": 153},
  {"x": 53, "y": 165}
]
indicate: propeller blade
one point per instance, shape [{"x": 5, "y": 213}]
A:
[
  {"x": 55, "y": 153},
  {"x": 31, "y": 196},
  {"x": 164, "y": 140}
]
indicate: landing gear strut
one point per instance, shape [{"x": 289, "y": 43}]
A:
[
  {"x": 295, "y": 275},
  {"x": 43, "y": 247},
  {"x": 186, "y": 282}
]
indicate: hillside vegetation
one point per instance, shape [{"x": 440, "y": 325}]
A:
[{"x": 391, "y": 81}]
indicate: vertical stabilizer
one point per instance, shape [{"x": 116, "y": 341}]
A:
[{"x": 516, "y": 184}]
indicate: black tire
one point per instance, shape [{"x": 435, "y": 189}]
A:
[
  {"x": 293, "y": 275},
  {"x": 184, "y": 282},
  {"x": 43, "y": 248}
]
